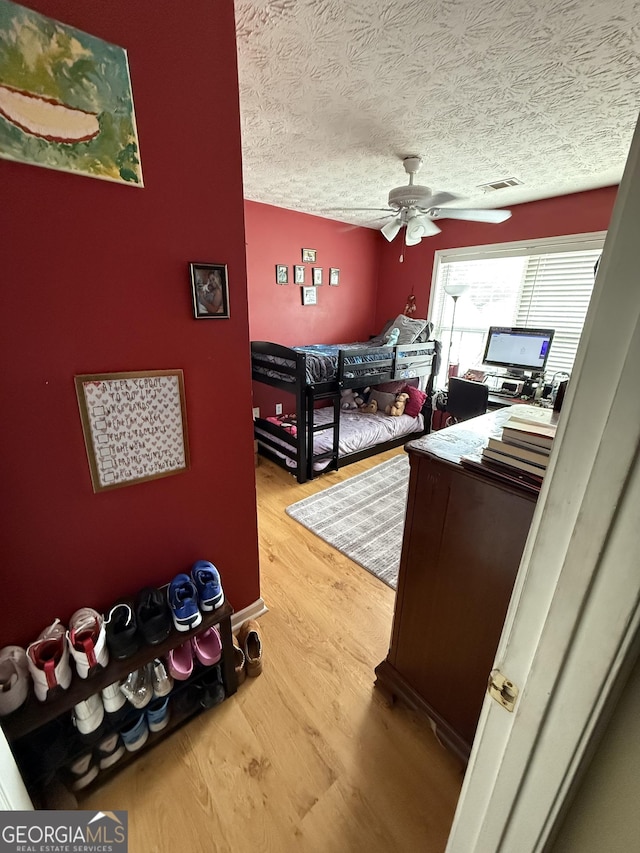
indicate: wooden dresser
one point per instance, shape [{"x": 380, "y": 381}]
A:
[{"x": 463, "y": 539}]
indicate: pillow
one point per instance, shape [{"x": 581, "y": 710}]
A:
[
  {"x": 396, "y": 386},
  {"x": 382, "y": 399},
  {"x": 415, "y": 402},
  {"x": 409, "y": 329},
  {"x": 425, "y": 334},
  {"x": 378, "y": 340}
]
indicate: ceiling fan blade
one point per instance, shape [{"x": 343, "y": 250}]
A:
[
  {"x": 358, "y": 209},
  {"x": 442, "y": 198},
  {"x": 470, "y": 215},
  {"x": 390, "y": 230},
  {"x": 380, "y": 219}
]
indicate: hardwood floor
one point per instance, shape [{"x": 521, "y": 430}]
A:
[{"x": 308, "y": 756}]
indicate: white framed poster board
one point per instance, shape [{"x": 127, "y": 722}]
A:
[{"x": 134, "y": 426}]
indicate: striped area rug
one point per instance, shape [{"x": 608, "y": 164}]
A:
[{"x": 363, "y": 517}]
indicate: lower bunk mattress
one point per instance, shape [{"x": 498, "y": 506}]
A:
[{"x": 358, "y": 432}]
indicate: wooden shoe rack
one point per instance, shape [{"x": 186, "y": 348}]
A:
[{"x": 26, "y": 726}]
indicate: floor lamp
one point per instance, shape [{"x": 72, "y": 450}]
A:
[{"x": 455, "y": 291}]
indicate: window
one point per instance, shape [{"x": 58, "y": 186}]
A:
[{"x": 546, "y": 284}]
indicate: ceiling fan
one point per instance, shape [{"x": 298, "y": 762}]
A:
[{"x": 415, "y": 207}]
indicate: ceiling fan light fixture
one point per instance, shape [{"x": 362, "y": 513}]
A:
[
  {"x": 391, "y": 228},
  {"x": 416, "y": 228}
]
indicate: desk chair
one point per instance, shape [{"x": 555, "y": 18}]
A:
[{"x": 465, "y": 400}]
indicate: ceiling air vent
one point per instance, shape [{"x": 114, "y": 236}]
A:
[{"x": 500, "y": 185}]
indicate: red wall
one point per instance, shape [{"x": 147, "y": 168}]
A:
[
  {"x": 570, "y": 214},
  {"x": 95, "y": 279},
  {"x": 276, "y": 313}
]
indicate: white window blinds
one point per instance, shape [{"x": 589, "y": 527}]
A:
[
  {"x": 555, "y": 295},
  {"x": 514, "y": 285}
]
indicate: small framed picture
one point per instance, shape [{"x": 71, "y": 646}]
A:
[
  {"x": 309, "y": 296},
  {"x": 282, "y": 274},
  {"x": 334, "y": 276},
  {"x": 209, "y": 291},
  {"x": 317, "y": 276},
  {"x": 309, "y": 256},
  {"x": 298, "y": 274}
]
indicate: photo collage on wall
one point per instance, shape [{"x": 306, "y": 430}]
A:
[{"x": 308, "y": 276}]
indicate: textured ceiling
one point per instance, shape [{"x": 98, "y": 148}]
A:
[{"x": 334, "y": 93}]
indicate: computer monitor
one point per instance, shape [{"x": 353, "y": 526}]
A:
[{"x": 518, "y": 348}]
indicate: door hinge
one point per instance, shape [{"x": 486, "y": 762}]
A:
[{"x": 502, "y": 690}]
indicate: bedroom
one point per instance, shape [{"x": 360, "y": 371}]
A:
[
  {"x": 102, "y": 274},
  {"x": 365, "y": 301}
]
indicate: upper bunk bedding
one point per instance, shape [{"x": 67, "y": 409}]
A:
[
  {"x": 321, "y": 362},
  {"x": 325, "y": 363},
  {"x": 322, "y": 359}
]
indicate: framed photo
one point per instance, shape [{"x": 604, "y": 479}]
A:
[
  {"x": 334, "y": 276},
  {"x": 309, "y": 296},
  {"x": 298, "y": 274},
  {"x": 282, "y": 274},
  {"x": 317, "y": 276},
  {"x": 209, "y": 291},
  {"x": 309, "y": 256}
]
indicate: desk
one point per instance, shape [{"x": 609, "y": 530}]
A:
[
  {"x": 498, "y": 401},
  {"x": 463, "y": 539}
]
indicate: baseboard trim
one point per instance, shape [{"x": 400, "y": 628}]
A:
[{"x": 253, "y": 611}]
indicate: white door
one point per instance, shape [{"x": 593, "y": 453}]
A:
[
  {"x": 568, "y": 639},
  {"x": 13, "y": 794}
]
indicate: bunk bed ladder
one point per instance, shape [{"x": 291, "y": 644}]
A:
[{"x": 312, "y": 397}]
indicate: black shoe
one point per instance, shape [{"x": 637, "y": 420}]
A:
[
  {"x": 153, "y": 614},
  {"x": 211, "y": 688},
  {"x": 122, "y": 635},
  {"x": 186, "y": 700}
]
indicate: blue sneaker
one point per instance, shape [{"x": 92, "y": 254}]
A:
[
  {"x": 183, "y": 601},
  {"x": 207, "y": 581},
  {"x": 134, "y": 732},
  {"x": 158, "y": 714}
]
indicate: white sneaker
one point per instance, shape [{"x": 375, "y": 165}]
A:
[
  {"x": 48, "y": 661},
  {"x": 160, "y": 679},
  {"x": 89, "y": 714},
  {"x": 14, "y": 679},
  {"x": 87, "y": 639},
  {"x": 113, "y": 698}
]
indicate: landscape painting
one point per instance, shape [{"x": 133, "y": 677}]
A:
[{"x": 65, "y": 99}]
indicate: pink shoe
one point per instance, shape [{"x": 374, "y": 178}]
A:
[
  {"x": 180, "y": 662},
  {"x": 207, "y": 646}
]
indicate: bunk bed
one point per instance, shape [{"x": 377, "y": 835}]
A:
[{"x": 320, "y": 436}]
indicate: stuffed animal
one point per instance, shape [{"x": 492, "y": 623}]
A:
[
  {"x": 354, "y": 398},
  {"x": 350, "y": 399},
  {"x": 370, "y": 408},
  {"x": 397, "y": 408},
  {"x": 391, "y": 338}
]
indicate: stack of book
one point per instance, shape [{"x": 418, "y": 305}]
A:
[{"x": 523, "y": 449}]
